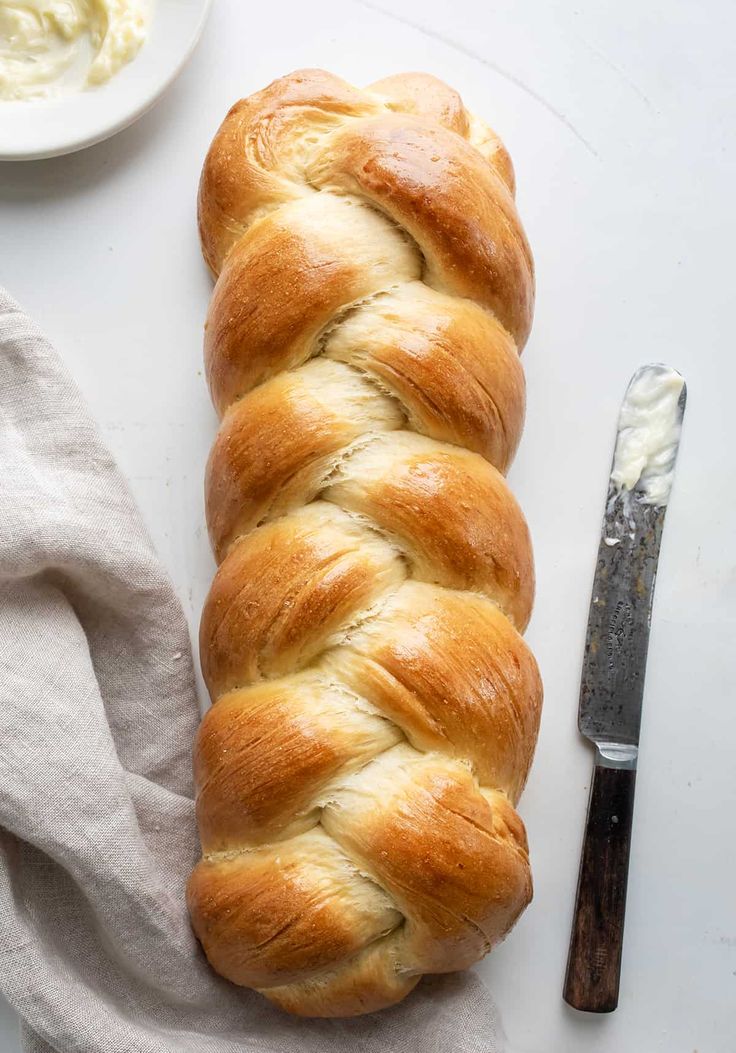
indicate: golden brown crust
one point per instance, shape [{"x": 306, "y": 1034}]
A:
[
  {"x": 461, "y": 888},
  {"x": 452, "y": 365},
  {"x": 457, "y": 209},
  {"x": 425, "y": 96},
  {"x": 264, "y": 754},
  {"x": 375, "y": 709},
  {"x": 422, "y": 95},
  {"x": 287, "y": 278},
  {"x": 277, "y": 445},
  {"x": 452, "y": 513},
  {"x": 285, "y": 590},
  {"x": 454, "y": 675},
  {"x": 371, "y": 980},
  {"x": 285, "y": 912},
  {"x": 242, "y": 173}
]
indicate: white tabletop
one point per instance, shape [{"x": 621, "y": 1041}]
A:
[{"x": 619, "y": 118}]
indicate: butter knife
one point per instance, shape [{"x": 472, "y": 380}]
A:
[{"x": 614, "y": 665}]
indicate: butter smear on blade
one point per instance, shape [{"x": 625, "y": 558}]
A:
[
  {"x": 52, "y": 47},
  {"x": 648, "y": 432}
]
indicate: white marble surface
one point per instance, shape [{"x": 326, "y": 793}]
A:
[{"x": 619, "y": 118}]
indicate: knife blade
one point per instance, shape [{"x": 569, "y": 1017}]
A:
[{"x": 614, "y": 665}]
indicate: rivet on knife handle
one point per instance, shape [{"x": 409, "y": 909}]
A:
[{"x": 612, "y": 684}]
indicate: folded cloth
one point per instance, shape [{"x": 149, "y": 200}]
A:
[{"x": 98, "y": 710}]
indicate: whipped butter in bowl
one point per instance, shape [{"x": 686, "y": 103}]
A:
[
  {"x": 73, "y": 72},
  {"x": 48, "y": 47}
]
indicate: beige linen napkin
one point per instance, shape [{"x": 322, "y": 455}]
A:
[{"x": 97, "y": 714}]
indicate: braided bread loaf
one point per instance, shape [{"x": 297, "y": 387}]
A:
[{"x": 375, "y": 708}]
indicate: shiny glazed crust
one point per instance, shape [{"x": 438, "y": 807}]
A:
[{"x": 375, "y": 706}]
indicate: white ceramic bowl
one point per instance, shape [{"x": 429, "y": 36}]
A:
[{"x": 49, "y": 127}]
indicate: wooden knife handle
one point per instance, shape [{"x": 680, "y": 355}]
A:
[{"x": 596, "y": 942}]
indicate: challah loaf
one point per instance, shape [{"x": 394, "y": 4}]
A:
[{"x": 375, "y": 707}]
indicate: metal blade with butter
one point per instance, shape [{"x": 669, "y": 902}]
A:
[{"x": 612, "y": 685}]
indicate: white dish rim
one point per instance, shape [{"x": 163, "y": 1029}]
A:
[{"x": 26, "y": 131}]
